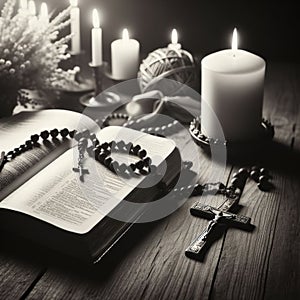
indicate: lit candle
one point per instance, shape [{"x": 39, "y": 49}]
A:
[
  {"x": 23, "y": 5},
  {"x": 44, "y": 15},
  {"x": 174, "y": 38},
  {"x": 32, "y": 7},
  {"x": 232, "y": 93},
  {"x": 75, "y": 28},
  {"x": 96, "y": 40},
  {"x": 125, "y": 57}
]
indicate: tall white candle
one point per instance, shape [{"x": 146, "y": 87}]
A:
[
  {"x": 125, "y": 57},
  {"x": 232, "y": 93},
  {"x": 75, "y": 28},
  {"x": 174, "y": 41},
  {"x": 23, "y": 5},
  {"x": 32, "y": 8},
  {"x": 44, "y": 15},
  {"x": 96, "y": 40}
]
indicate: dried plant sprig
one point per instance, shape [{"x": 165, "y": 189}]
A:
[{"x": 31, "y": 50}]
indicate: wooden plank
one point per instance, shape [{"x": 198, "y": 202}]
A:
[
  {"x": 154, "y": 266},
  {"x": 283, "y": 280},
  {"x": 252, "y": 262}
]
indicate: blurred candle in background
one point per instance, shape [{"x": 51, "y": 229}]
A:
[
  {"x": 23, "y": 5},
  {"x": 96, "y": 40},
  {"x": 125, "y": 57},
  {"x": 44, "y": 15},
  {"x": 32, "y": 7},
  {"x": 232, "y": 93},
  {"x": 75, "y": 28}
]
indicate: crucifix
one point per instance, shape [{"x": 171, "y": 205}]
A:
[
  {"x": 221, "y": 219},
  {"x": 81, "y": 172}
]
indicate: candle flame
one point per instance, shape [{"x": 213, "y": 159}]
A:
[
  {"x": 44, "y": 10},
  {"x": 96, "y": 19},
  {"x": 125, "y": 34},
  {"x": 32, "y": 7},
  {"x": 23, "y": 4},
  {"x": 74, "y": 3},
  {"x": 235, "y": 40},
  {"x": 174, "y": 36}
]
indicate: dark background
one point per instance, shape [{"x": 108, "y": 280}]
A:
[{"x": 267, "y": 28}]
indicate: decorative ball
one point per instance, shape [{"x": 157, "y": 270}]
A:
[{"x": 167, "y": 63}]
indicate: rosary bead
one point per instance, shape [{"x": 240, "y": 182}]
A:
[
  {"x": 97, "y": 151},
  {"x": 64, "y": 133},
  {"x": 121, "y": 145},
  {"x": 122, "y": 168},
  {"x": 108, "y": 161},
  {"x": 133, "y": 167},
  {"x": 147, "y": 161},
  {"x": 28, "y": 143},
  {"x": 237, "y": 183},
  {"x": 95, "y": 142},
  {"x": 198, "y": 190},
  {"x": 35, "y": 138},
  {"x": 140, "y": 165},
  {"x": 243, "y": 172},
  {"x": 54, "y": 133},
  {"x": 136, "y": 149},
  {"x": 263, "y": 179},
  {"x": 72, "y": 134},
  {"x": 114, "y": 166},
  {"x": 92, "y": 136},
  {"x": 102, "y": 158},
  {"x": 105, "y": 146},
  {"x": 255, "y": 176},
  {"x": 45, "y": 135},
  {"x": 142, "y": 154},
  {"x": 16, "y": 151}
]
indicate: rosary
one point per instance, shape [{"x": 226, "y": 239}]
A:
[{"x": 221, "y": 217}]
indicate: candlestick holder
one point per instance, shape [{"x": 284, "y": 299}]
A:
[
  {"x": 83, "y": 81},
  {"x": 235, "y": 150},
  {"x": 98, "y": 98}
]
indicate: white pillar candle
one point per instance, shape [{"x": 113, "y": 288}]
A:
[
  {"x": 174, "y": 38},
  {"x": 96, "y": 40},
  {"x": 75, "y": 28},
  {"x": 44, "y": 15},
  {"x": 232, "y": 93},
  {"x": 125, "y": 57}
]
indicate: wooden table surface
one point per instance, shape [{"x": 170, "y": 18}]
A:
[{"x": 150, "y": 263}]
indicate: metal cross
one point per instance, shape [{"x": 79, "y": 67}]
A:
[
  {"x": 221, "y": 218},
  {"x": 81, "y": 172}
]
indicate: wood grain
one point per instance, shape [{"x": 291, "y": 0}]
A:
[
  {"x": 150, "y": 263},
  {"x": 259, "y": 254}
]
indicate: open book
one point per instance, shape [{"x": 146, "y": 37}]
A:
[{"x": 42, "y": 199}]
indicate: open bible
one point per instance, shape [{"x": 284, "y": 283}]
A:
[{"x": 42, "y": 199}]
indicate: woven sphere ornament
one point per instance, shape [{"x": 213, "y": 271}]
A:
[{"x": 167, "y": 63}]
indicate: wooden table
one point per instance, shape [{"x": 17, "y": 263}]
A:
[{"x": 150, "y": 263}]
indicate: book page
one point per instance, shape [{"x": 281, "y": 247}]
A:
[
  {"x": 55, "y": 195},
  {"x": 16, "y": 130}
]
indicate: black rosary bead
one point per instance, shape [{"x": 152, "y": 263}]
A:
[
  {"x": 95, "y": 142},
  {"x": 147, "y": 161},
  {"x": 136, "y": 149},
  {"x": 105, "y": 146},
  {"x": 64, "y": 133},
  {"x": 140, "y": 165},
  {"x": 114, "y": 166},
  {"x": 142, "y": 154},
  {"x": 102, "y": 157},
  {"x": 108, "y": 161},
  {"x": 254, "y": 175},
  {"x": 35, "y": 138},
  {"x": 54, "y": 133},
  {"x": 45, "y": 135},
  {"x": 132, "y": 167}
]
